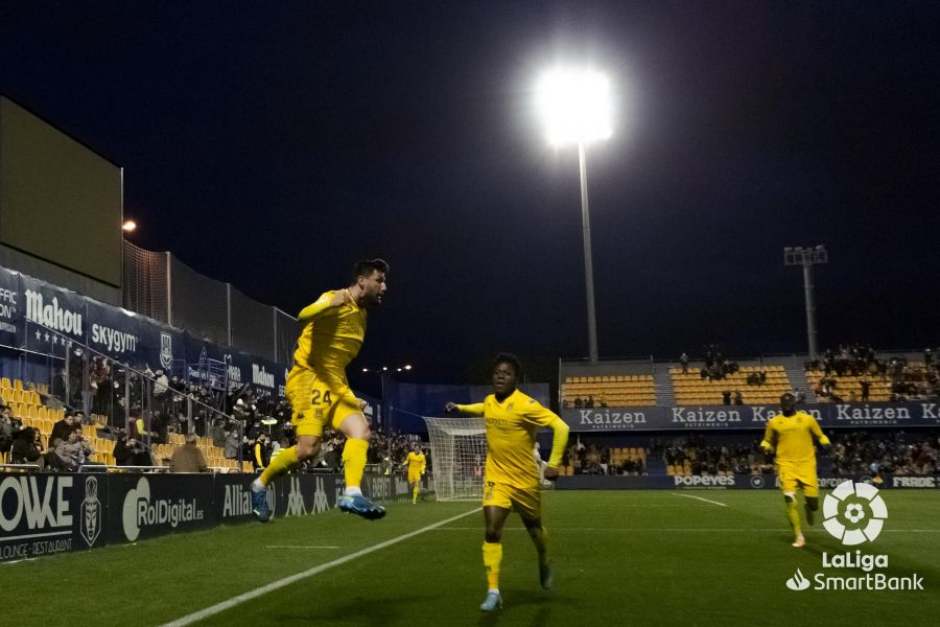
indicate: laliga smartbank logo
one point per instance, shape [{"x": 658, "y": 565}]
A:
[{"x": 854, "y": 513}]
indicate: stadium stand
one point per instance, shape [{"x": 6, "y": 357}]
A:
[
  {"x": 24, "y": 399},
  {"x": 692, "y": 389},
  {"x": 609, "y": 390}
]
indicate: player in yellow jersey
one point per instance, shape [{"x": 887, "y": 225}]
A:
[
  {"x": 416, "y": 465},
  {"x": 791, "y": 435},
  {"x": 333, "y": 330},
  {"x": 511, "y": 478}
]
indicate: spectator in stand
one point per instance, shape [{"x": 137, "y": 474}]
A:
[
  {"x": 726, "y": 397},
  {"x": 72, "y": 453},
  {"x": 7, "y": 429},
  {"x": 866, "y": 389},
  {"x": 578, "y": 403},
  {"x": 131, "y": 452},
  {"x": 738, "y": 397},
  {"x": 63, "y": 428},
  {"x": 261, "y": 452},
  {"x": 684, "y": 360},
  {"x": 589, "y": 403},
  {"x": 231, "y": 444},
  {"x": 27, "y": 448},
  {"x": 188, "y": 458}
]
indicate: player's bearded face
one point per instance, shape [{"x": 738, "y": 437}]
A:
[{"x": 373, "y": 288}]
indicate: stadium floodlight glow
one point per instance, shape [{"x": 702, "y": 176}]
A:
[
  {"x": 129, "y": 226},
  {"x": 575, "y": 106},
  {"x": 365, "y": 370},
  {"x": 384, "y": 368},
  {"x": 407, "y": 366}
]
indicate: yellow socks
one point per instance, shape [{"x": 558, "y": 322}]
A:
[
  {"x": 279, "y": 465},
  {"x": 793, "y": 514},
  {"x": 492, "y": 556},
  {"x": 354, "y": 461},
  {"x": 415, "y": 493}
]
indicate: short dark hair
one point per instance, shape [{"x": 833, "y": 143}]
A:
[
  {"x": 512, "y": 360},
  {"x": 365, "y": 267}
]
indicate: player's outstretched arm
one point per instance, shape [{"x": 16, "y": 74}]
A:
[
  {"x": 474, "y": 409},
  {"x": 326, "y": 302}
]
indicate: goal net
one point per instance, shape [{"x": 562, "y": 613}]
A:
[{"x": 458, "y": 454}]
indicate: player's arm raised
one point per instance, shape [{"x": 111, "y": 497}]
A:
[
  {"x": 536, "y": 413},
  {"x": 474, "y": 409},
  {"x": 324, "y": 304}
]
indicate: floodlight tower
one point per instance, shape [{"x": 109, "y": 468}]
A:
[
  {"x": 575, "y": 107},
  {"x": 807, "y": 257}
]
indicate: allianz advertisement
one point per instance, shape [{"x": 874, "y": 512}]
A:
[
  {"x": 44, "y": 514},
  {"x": 728, "y": 417}
]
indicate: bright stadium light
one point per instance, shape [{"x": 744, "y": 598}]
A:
[
  {"x": 129, "y": 226},
  {"x": 365, "y": 370},
  {"x": 407, "y": 366},
  {"x": 576, "y": 108}
]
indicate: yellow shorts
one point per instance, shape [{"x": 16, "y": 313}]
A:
[
  {"x": 802, "y": 477},
  {"x": 528, "y": 502},
  {"x": 314, "y": 404},
  {"x": 414, "y": 477}
]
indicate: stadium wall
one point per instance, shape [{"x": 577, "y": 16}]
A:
[{"x": 44, "y": 514}]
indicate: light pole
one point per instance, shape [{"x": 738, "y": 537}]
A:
[
  {"x": 807, "y": 257},
  {"x": 575, "y": 107}
]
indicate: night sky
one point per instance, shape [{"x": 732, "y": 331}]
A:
[{"x": 271, "y": 144}]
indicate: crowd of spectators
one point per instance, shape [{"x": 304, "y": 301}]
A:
[
  {"x": 716, "y": 366},
  {"x": 593, "y": 459},
  {"x": 852, "y": 454},
  {"x": 899, "y": 453},
  {"x": 908, "y": 381}
]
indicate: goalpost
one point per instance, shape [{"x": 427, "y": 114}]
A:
[{"x": 458, "y": 454}]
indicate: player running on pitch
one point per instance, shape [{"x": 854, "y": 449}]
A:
[
  {"x": 416, "y": 465},
  {"x": 792, "y": 435},
  {"x": 333, "y": 330},
  {"x": 511, "y": 478}
]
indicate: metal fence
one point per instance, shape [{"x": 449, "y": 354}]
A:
[{"x": 160, "y": 286}]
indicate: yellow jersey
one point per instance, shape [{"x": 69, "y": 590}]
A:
[
  {"x": 511, "y": 426},
  {"x": 330, "y": 339},
  {"x": 416, "y": 462},
  {"x": 793, "y": 438}
]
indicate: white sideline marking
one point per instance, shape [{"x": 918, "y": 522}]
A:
[
  {"x": 299, "y": 546},
  {"x": 212, "y": 610},
  {"x": 699, "y": 498}
]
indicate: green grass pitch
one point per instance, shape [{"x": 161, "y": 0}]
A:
[{"x": 622, "y": 558}]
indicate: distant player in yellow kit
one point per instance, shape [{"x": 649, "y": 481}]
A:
[
  {"x": 334, "y": 328},
  {"x": 511, "y": 478},
  {"x": 416, "y": 466},
  {"x": 791, "y": 434}
]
